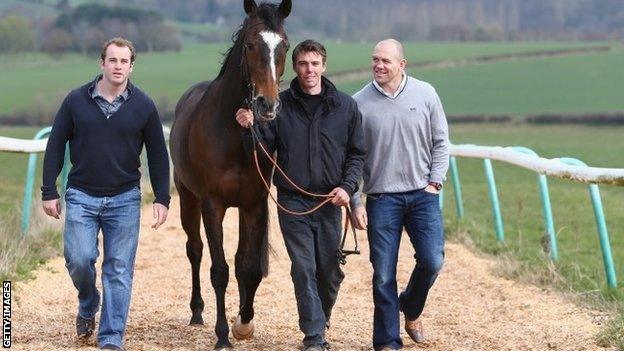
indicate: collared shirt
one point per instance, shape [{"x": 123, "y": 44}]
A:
[
  {"x": 108, "y": 108},
  {"x": 397, "y": 92}
]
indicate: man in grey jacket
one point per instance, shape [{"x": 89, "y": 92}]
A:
[{"x": 406, "y": 135}]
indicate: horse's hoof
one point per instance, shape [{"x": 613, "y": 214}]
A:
[
  {"x": 197, "y": 320},
  {"x": 223, "y": 346},
  {"x": 242, "y": 331}
]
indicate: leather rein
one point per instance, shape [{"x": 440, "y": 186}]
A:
[{"x": 327, "y": 198}]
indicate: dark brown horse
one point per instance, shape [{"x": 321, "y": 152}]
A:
[{"x": 213, "y": 171}]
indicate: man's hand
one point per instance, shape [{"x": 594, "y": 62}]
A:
[
  {"x": 52, "y": 208},
  {"x": 160, "y": 215},
  {"x": 341, "y": 198},
  {"x": 244, "y": 117},
  {"x": 359, "y": 218},
  {"x": 432, "y": 189}
]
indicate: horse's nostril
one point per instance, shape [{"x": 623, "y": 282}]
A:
[
  {"x": 266, "y": 106},
  {"x": 263, "y": 103}
]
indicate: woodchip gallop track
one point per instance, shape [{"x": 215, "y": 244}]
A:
[{"x": 469, "y": 307}]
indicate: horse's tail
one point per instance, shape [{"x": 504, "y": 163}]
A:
[{"x": 266, "y": 246}]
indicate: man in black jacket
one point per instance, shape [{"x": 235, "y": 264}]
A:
[
  {"x": 319, "y": 144},
  {"x": 107, "y": 122}
]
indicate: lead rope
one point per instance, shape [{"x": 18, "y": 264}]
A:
[{"x": 342, "y": 255}]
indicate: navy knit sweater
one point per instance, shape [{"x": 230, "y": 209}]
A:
[{"x": 105, "y": 152}]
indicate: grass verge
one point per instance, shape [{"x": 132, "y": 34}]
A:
[
  {"x": 613, "y": 333},
  {"x": 21, "y": 255}
]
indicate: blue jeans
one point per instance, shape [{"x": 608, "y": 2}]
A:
[
  {"x": 419, "y": 212},
  {"x": 118, "y": 217}
]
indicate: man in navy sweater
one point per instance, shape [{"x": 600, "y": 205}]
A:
[{"x": 106, "y": 122}]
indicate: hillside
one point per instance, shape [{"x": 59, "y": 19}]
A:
[{"x": 403, "y": 19}]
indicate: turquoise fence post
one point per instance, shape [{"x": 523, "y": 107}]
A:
[
  {"x": 603, "y": 234},
  {"x": 30, "y": 181},
  {"x": 459, "y": 203},
  {"x": 66, "y": 167},
  {"x": 548, "y": 217},
  {"x": 441, "y": 199},
  {"x": 498, "y": 219},
  {"x": 546, "y": 206}
]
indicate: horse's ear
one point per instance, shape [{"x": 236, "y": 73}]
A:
[
  {"x": 250, "y": 6},
  {"x": 285, "y": 7}
]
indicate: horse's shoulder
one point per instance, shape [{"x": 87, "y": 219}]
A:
[
  {"x": 192, "y": 95},
  {"x": 199, "y": 88}
]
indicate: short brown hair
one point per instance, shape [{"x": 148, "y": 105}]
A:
[
  {"x": 121, "y": 42},
  {"x": 309, "y": 46}
]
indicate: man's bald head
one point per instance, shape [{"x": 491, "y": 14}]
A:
[
  {"x": 388, "y": 64},
  {"x": 392, "y": 45}
]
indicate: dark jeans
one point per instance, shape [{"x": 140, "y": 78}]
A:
[
  {"x": 419, "y": 212},
  {"x": 313, "y": 243}
]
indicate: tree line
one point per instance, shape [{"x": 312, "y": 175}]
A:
[
  {"x": 84, "y": 28},
  {"x": 81, "y": 29},
  {"x": 457, "y": 20}
]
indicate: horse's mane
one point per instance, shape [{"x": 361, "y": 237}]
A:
[{"x": 270, "y": 17}]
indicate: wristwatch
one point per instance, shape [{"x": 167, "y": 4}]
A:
[{"x": 438, "y": 186}]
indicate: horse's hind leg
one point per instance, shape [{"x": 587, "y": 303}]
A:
[
  {"x": 191, "y": 219},
  {"x": 251, "y": 253},
  {"x": 212, "y": 213}
]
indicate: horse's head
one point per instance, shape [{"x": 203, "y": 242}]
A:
[{"x": 265, "y": 47}]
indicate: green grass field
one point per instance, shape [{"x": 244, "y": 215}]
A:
[
  {"x": 34, "y": 82},
  {"x": 573, "y": 84}
]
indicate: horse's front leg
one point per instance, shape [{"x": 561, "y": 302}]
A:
[
  {"x": 251, "y": 263},
  {"x": 212, "y": 213}
]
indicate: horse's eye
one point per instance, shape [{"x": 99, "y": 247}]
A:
[{"x": 249, "y": 46}]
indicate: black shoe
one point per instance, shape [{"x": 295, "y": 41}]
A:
[
  {"x": 111, "y": 347},
  {"x": 84, "y": 327}
]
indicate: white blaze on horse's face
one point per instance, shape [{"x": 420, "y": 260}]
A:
[{"x": 272, "y": 40}]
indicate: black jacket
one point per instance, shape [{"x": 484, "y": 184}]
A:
[{"x": 318, "y": 152}]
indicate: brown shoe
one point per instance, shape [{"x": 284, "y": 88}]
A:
[{"x": 415, "y": 330}]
